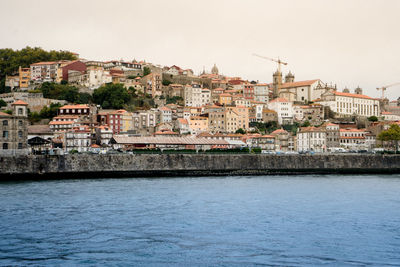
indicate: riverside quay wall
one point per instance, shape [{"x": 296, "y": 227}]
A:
[{"x": 162, "y": 165}]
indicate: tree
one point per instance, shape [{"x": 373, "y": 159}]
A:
[
  {"x": 306, "y": 124},
  {"x": 373, "y": 118},
  {"x": 111, "y": 96},
  {"x": 10, "y": 59},
  {"x": 392, "y": 134},
  {"x": 146, "y": 71},
  {"x": 2, "y": 103},
  {"x": 166, "y": 82},
  {"x": 240, "y": 131}
]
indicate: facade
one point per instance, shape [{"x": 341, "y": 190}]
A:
[
  {"x": 24, "y": 77},
  {"x": 103, "y": 135},
  {"x": 332, "y": 135},
  {"x": 44, "y": 71},
  {"x": 302, "y": 91},
  {"x": 347, "y": 104},
  {"x": 261, "y": 92},
  {"x": 14, "y": 130},
  {"x": 192, "y": 95},
  {"x": 353, "y": 139},
  {"x": 284, "y": 110},
  {"x": 282, "y": 138},
  {"x": 166, "y": 114},
  {"x": 311, "y": 139},
  {"x": 78, "y": 138},
  {"x": 198, "y": 124}
]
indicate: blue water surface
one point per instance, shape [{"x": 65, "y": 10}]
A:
[{"x": 204, "y": 221}]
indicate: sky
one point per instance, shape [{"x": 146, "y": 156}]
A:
[{"x": 349, "y": 43}]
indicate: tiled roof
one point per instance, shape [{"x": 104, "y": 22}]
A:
[
  {"x": 74, "y": 106},
  {"x": 4, "y": 114},
  {"x": 351, "y": 95},
  {"x": 278, "y": 131},
  {"x": 298, "y": 84},
  {"x": 20, "y": 102},
  {"x": 280, "y": 99},
  {"x": 168, "y": 140}
]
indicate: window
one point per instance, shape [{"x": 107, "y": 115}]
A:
[
  {"x": 5, "y": 122},
  {"x": 5, "y": 146},
  {"x": 20, "y": 111},
  {"x": 19, "y": 145},
  {"x": 5, "y": 134},
  {"x": 20, "y": 134},
  {"x": 20, "y": 123}
]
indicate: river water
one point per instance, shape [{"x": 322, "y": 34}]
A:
[{"x": 203, "y": 221}]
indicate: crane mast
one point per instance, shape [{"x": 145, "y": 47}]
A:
[
  {"x": 383, "y": 88},
  {"x": 279, "y": 82}
]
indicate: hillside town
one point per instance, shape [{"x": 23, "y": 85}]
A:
[{"x": 177, "y": 109}]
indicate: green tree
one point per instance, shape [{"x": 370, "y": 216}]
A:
[
  {"x": 373, "y": 118},
  {"x": 111, "y": 96},
  {"x": 10, "y": 59},
  {"x": 240, "y": 131},
  {"x": 166, "y": 82},
  {"x": 2, "y": 103},
  {"x": 306, "y": 124},
  {"x": 391, "y": 135},
  {"x": 146, "y": 71}
]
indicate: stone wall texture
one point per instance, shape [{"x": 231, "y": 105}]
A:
[{"x": 160, "y": 165}]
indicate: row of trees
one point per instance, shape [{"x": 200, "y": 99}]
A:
[{"x": 10, "y": 60}]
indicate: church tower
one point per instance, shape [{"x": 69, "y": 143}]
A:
[
  {"x": 277, "y": 83},
  {"x": 289, "y": 78},
  {"x": 214, "y": 70},
  {"x": 358, "y": 90}
]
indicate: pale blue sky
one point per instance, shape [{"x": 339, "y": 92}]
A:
[{"x": 349, "y": 43}]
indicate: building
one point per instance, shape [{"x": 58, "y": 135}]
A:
[
  {"x": 166, "y": 114},
  {"x": 192, "y": 95},
  {"x": 65, "y": 67},
  {"x": 302, "y": 91},
  {"x": 78, "y": 138},
  {"x": 63, "y": 123},
  {"x": 284, "y": 110},
  {"x": 44, "y": 71},
  {"x": 14, "y": 130},
  {"x": 103, "y": 135},
  {"x": 269, "y": 115},
  {"x": 311, "y": 139},
  {"x": 353, "y": 139},
  {"x": 282, "y": 138},
  {"x": 389, "y": 116},
  {"x": 80, "y": 110},
  {"x": 24, "y": 77},
  {"x": 347, "y": 104},
  {"x": 261, "y": 92},
  {"x": 198, "y": 124},
  {"x": 332, "y": 135}
]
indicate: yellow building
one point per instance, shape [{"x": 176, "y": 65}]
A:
[
  {"x": 198, "y": 124},
  {"x": 225, "y": 99},
  {"x": 243, "y": 117},
  {"x": 24, "y": 77}
]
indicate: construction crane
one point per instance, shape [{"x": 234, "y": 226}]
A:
[
  {"x": 274, "y": 60},
  {"x": 383, "y": 88},
  {"x": 278, "y": 87}
]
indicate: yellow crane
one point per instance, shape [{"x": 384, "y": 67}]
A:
[
  {"x": 278, "y": 86},
  {"x": 274, "y": 60},
  {"x": 383, "y": 88}
]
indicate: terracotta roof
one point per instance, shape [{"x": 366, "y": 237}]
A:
[
  {"x": 4, "y": 114},
  {"x": 95, "y": 146},
  {"x": 20, "y": 102},
  {"x": 165, "y": 108},
  {"x": 74, "y": 106},
  {"x": 352, "y": 130},
  {"x": 44, "y": 63},
  {"x": 60, "y": 122},
  {"x": 311, "y": 129},
  {"x": 352, "y": 95},
  {"x": 299, "y": 83},
  {"x": 278, "y": 131},
  {"x": 166, "y": 133},
  {"x": 351, "y": 137},
  {"x": 280, "y": 99},
  {"x": 387, "y": 113},
  {"x": 183, "y": 121}
]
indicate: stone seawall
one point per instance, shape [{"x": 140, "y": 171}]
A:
[{"x": 159, "y": 165}]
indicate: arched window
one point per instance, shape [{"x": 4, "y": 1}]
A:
[
  {"x": 5, "y": 122},
  {"x": 5, "y": 146}
]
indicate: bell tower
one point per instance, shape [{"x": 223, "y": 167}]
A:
[
  {"x": 277, "y": 83},
  {"x": 20, "y": 108}
]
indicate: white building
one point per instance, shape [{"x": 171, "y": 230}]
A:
[
  {"x": 192, "y": 95},
  {"x": 389, "y": 116},
  {"x": 302, "y": 91},
  {"x": 311, "y": 139},
  {"x": 283, "y": 108},
  {"x": 347, "y": 104},
  {"x": 44, "y": 71},
  {"x": 166, "y": 114},
  {"x": 78, "y": 139},
  {"x": 205, "y": 96},
  {"x": 104, "y": 133},
  {"x": 261, "y": 92},
  {"x": 353, "y": 139}
]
